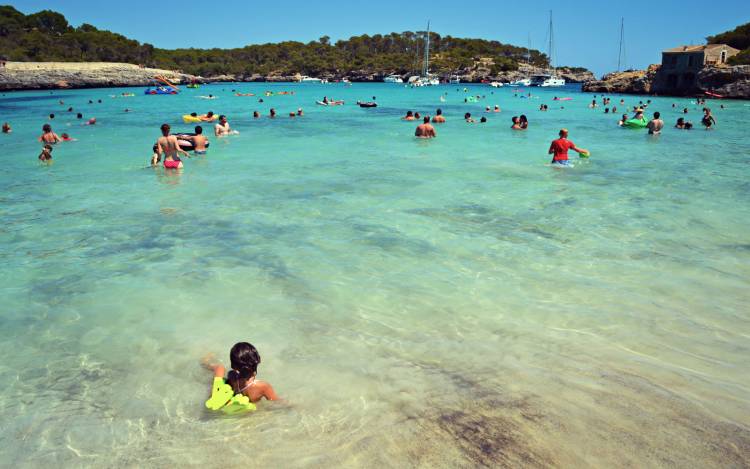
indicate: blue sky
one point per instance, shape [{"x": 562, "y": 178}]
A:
[{"x": 586, "y": 32}]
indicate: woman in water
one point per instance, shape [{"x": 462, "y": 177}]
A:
[
  {"x": 523, "y": 121},
  {"x": 708, "y": 120},
  {"x": 244, "y": 360},
  {"x": 48, "y": 136}
]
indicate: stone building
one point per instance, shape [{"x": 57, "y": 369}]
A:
[{"x": 680, "y": 65}]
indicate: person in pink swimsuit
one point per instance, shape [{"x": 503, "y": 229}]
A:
[{"x": 168, "y": 145}]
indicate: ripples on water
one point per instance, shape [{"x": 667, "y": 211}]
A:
[{"x": 447, "y": 303}]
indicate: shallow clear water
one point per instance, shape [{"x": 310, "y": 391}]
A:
[{"x": 454, "y": 302}]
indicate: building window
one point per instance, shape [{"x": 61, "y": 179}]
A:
[{"x": 723, "y": 56}]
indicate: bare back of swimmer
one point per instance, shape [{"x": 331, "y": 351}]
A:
[{"x": 167, "y": 144}]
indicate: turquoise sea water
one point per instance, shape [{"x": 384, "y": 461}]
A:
[{"x": 446, "y": 303}]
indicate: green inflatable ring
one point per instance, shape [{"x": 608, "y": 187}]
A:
[{"x": 635, "y": 123}]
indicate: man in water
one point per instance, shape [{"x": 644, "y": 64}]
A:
[
  {"x": 438, "y": 119},
  {"x": 425, "y": 130},
  {"x": 208, "y": 117},
  {"x": 6, "y": 128},
  {"x": 222, "y": 127},
  {"x": 168, "y": 145},
  {"x": 559, "y": 148},
  {"x": 655, "y": 125},
  {"x": 199, "y": 141}
]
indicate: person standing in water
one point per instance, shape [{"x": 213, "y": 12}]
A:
[
  {"x": 222, "y": 127},
  {"x": 425, "y": 129},
  {"x": 655, "y": 125},
  {"x": 199, "y": 141},
  {"x": 6, "y": 128},
  {"x": 48, "y": 136},
  {"x": 708, "y": 120},
  {"x": 168, "y": 145},
  {"x": 559, "y": 148},
  {"x": 438, "y": 119}
]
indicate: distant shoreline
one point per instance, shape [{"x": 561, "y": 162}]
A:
[{"x": 23, "y": 76}]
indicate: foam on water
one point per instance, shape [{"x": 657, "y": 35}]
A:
[{"x": 433, "y": 303}]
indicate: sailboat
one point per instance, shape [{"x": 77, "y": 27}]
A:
[
  {"x": 425, "y": 79},
  {"x": 524, "y": 81},
  {"x": 549, "y": 80}
]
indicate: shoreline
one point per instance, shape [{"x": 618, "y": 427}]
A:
[{"x": 26, "y": 76}]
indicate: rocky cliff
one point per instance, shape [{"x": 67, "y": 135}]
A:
[
  {"x": 49, "y": 75},
  {"x": 730, "y": 82},
  {"x": 628, "y": 82}
]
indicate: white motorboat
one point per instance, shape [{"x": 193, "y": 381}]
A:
[
  {"x": 393, "y": 79},
  {"x": 521, "y": 82},
  {"x": 306, "y": 79},
  {"x": 547, "y": 81},
  {"x": 454, "y": 80},
  {"x": 496, "y": 84}
]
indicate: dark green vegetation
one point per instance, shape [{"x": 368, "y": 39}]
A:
[
  {"x": 739, "y": 38},
  {"x": 47, "y": 36}
]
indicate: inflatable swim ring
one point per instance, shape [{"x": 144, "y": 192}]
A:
[
  {"x": 187, "y": 145},
  {"x": 635, "y": 123},
  {"x": 188, "y": 119}
]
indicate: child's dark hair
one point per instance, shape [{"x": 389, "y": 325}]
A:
[{"x": 244, "y": 359}]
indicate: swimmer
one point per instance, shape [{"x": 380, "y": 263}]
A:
[
  {"x": 408, "y": 117},
  {"x": 516, "y": 123},
  {"x": 272, "y": 113},
  {"x": 66, "y": 138},
  {"x": 623, "y": 120},
  {"x": 199, "y": 141},
  {"x": 497, "y": 109},
  {"x": 208, "y": 117},
  {"x": 48, "y": 136},
  {"x": 425, "y": 129},
  {"x": 524, "y": 121},
  {"x": 168, "y": 145},
  {"x": 156, "y": 156},
  {"x": 417, "y": 116},
  {"x": 680, "y": 123},
  {"x": 606, "y": 110},
  {"x": 300, "y": 112},
  {"x": 256, "y": 115},
  {"x": 708, "y": 120},
  {"x": 468, "y": 118},
  {"x": 483, "y": 120},
  {"x": 79, "y": 116},
  {"x": 244, "y": 360},
  {"x": 655, "y": 125},
  {"x": 292, "y": 115},
  {"x": 46, "y": 154},
  {"x": 51, "y": 116},
  {"x": 6, "y": 128},
  {"x": 222, "y": 127},
  {"x": 487, "y": 109},
  {"x": 559, "y": 148},
  {"x": 438, "y": 119},
  {"x": 91, "y": 121}
]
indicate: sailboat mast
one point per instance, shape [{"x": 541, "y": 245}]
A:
[
  {"x": 549, "y": 47},
  {"x": 622, "y": 37},
  {"x": 426, "y": 63}
]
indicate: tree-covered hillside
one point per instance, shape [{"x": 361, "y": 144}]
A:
[
  {"x": 739, "y": 38},
  {"x": 47, "y": 36}
]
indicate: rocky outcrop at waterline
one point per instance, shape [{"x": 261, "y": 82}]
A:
[
  {"x": 53, "y": 75},
  {"x": 726, "y": 81}
]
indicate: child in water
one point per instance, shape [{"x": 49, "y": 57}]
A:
[
  {"x": 46, "y": 154},
  {"x": 244, "y": 360},
  {"x": 156, "y": 157}
]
